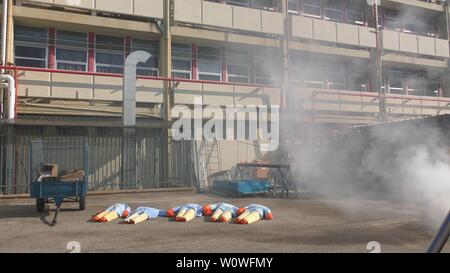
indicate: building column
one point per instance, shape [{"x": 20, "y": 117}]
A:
[
  {"x": 224, "y": 65},
  {"x": 51, "y": 48},
  {"x": 168, "y": 96},
  {"x": 127, "y": 46},
  {"x": 91, "y": 52},
  {"x": 194, "y": 62}
]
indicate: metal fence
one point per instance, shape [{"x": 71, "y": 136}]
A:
[{"x": 105, "y": 149}]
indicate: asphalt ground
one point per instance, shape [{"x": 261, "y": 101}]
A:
[{"x": 305, "y": 224}]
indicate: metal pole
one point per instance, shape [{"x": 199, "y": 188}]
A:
[
  {"x": 4, "y": 28},
  {"x": 167, "y": 87},
  {"x": 381, "y": 92},
  {"x": 441, "y": 237}
]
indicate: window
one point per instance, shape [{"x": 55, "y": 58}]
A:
[
  {"x": 336, "y": 76},
  {"x": 391, "y": 21},
  {"x": 356, "y": 79},
  {"x": 181, "y": 61},
  {"x": 415, "y": 83},
  {"x": 312, "y": 8},
  {"x": 432, "y": 88},
  {"x": 242, "y": 3},
  {"x": 71, "y": 51},
  {"x": 264, "y": 4},
  {"x": 30, "y": 46},
  {"x": 209, "y": 64},
  {"x": 265, "y": 71},
  {"x": 333, "y": 10},
  {"x": 151, "y": 67},
  {"x": 293, "y": 6},
  {"x": 411, "y": 23},
  {"x": 238, "y": 66},
  {"x": 395, "y": 78},
  {"x": 315, "y": 76},
  {"x": 109, "y": 55},
  {"x": 354, "y": 12}
]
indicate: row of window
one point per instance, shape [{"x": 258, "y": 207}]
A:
[
  {"x": 348, "y": 11},
  {"x": 411, "y": 82},
  {"x": 410, "y": 22},
  {"x": 354, "y": 12},
  {"x": 31, "y": 49},
  {"x": 255, "y": 4},
  {"x": 321, "y": 73},
  {"x": 326, "y": 74}
]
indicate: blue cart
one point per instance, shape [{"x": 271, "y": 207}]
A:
[{"x": 67, "y": 155}]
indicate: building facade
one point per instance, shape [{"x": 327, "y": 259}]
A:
[{"x": 323, "y": 61}]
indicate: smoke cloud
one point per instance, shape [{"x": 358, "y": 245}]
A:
[{"x": 406, "y": 162}]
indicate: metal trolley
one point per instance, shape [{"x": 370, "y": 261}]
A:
[{"x": 68, "y": 155}]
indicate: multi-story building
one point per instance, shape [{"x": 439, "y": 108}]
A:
[{"x": 325, "y": 61}]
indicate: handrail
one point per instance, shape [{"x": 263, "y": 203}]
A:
[{"x": 387, "y": 96}]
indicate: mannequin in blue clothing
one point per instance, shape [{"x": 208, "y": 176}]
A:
[
  {"x": 113, "y": 212},
  {"x": 220, "y": 212},
  {"x": 253, "y": 213},
  {"x": 186, "y": 212},
  {"x": 142, "y": 214}
]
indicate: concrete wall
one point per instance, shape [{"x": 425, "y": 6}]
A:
[
  {"x": 321, "y": 30},
  {"x": 351, "y": 103},
  {"x": 397, "y": 41},
  {"x": 226, "y": 16},
  {"x": 102, "y": 88},
  {"x": 233, "y": 152},
  {"x": 147, "y": 8}
]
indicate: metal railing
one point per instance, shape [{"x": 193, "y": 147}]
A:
[{"x": 396, "y": 104}]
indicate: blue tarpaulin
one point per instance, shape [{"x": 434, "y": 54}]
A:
[{"x": 239, "y": 187}]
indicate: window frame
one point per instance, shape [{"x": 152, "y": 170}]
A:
[
  {"x": 310, "y": 14},
  {"x": 181, "y": 58},
  {"x": 218, "y": 62},
  {"x": 33, "y": 45},
  {"x": 295, "y": 12},
  {"x": 246, "y": 64},
  {"x": 146, "y": 68},
  {"x": 339, "y": 10},
  {"x": 86, "y": 64},
  {"x": 96, "y": 50}
]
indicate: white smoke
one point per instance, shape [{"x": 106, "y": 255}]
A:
[{"x": 407, "y": 163}]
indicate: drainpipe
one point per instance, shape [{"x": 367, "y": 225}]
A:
[{"x": 11, "y": 97}]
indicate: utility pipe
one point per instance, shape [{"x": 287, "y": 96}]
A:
[{"x": 11, "y": 96}]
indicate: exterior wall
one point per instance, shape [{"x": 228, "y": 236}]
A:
[
  {"x": 397, "y": 41},
  {"x": 104, "y": 88},
  {"x": 321, "y": 103},
  {"x": 147, "y": 8},
  {"x": 321, "y": 30},
  {"x": 329, "y": 38},
  {"x": 225, "y": 16}
]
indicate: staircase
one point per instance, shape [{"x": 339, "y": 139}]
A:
[{"x": 206, "y": 161}]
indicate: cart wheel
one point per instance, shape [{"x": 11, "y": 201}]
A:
[
  {"x": 40, "y": 204},
  {"x": 82, "y": 202}
]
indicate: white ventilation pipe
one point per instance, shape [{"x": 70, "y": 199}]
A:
[{"x": 11, "y": 97}]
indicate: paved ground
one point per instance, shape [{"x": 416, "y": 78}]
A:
[{"x": 300, "y": 225}]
